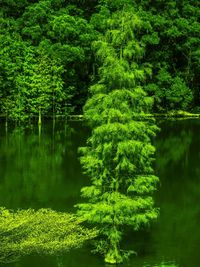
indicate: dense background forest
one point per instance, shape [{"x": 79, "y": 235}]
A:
[{"x": 47, "y": 59}]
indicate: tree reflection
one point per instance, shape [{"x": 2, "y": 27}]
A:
[
  {"x": 177, "y": 233},
  {"x": 37, "y": 169},
  {"x": 172, "y": 147}
]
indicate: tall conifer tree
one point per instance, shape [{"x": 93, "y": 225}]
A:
[{"x": 119, "y": 153}]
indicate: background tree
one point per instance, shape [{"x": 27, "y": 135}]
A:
[
  {"x": 170, "y": 33},
  {"x": 64, "y": 31},
  {"x": 40, "y": 85},
  {"x": 119, "y": 153},
  {"x": 12, "y": 52},
  {"x": 61, "y": 31}
]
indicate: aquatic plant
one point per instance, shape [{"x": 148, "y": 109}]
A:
[{"x": 44, "y": 231}]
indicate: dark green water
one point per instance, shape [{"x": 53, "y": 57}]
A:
[{"x": 42, "y": 170}]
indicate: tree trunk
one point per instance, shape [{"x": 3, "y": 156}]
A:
[{"x": 40, "y": 117}]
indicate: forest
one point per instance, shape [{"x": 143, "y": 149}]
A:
[
  {"x": 49, "y": 61},
  {"x": 107, "y": 184}
]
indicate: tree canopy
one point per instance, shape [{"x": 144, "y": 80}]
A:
[
  {"x": 119, "y": 153},
  {"x": 64, "y": 32}
]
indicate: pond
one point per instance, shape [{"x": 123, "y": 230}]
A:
[{"x": 40, "y": 169}]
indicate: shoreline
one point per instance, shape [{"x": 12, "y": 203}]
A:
[{"x": 80, "y": 117}]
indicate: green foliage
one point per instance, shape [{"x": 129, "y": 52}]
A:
[
  {"x": 11, "y": 58},
  {"x": 170, "y": 93},
  {"x": 170, "y": 33},
  {"x": 40, "y": 85},
  {"x": 44, "y": 231},
  {"x": 65, "y": 35},
  {"x": 168, "y": 44},
  {"x": 119, "y": 153},
  {"x": 37, "y": 86},
  {"x": 55, "y": 36}
]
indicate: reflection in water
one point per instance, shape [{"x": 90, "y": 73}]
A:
[
  {"x": 175, "y": 147},
  {"x": 177, "y": 233},
  {"x": 163, "y": 264},
  {"x": 45, "y": 172},
  {"x": 39, "y": 170}
]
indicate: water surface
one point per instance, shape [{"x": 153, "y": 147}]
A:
[{"x": 42, "y": 170}]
